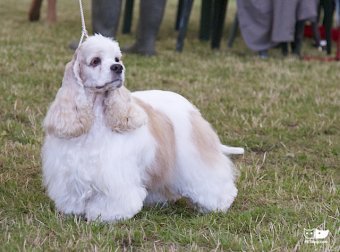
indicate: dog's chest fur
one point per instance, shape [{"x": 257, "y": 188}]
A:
[{"x": 87, "y": 164}]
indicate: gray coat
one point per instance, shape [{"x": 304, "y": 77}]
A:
[{"x": 264, "y": 23}]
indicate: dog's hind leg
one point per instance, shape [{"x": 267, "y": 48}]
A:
[
  {"x": 210, "y": 187},
  {"x": 206, "y": 175}
]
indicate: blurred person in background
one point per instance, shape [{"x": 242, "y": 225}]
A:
[
  {"x": 268, "y": 23},
  {"x": 105, "y": 20}
]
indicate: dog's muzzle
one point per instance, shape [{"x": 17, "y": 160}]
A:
[
  {"x": 111, "y": 85},
  {"x": 117, "y": 83}
]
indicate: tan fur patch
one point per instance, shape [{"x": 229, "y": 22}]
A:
[
  {"x": 121, "y": 113},
  {"x": 162, "y": 130},
  {"x": 70, "y": 115},
  {"x": 205, "y": 138}
]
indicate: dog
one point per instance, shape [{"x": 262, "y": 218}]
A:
[{"x": 108, "y": 151}]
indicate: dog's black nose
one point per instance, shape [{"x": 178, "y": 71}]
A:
[{"x": 117, "y": 68}]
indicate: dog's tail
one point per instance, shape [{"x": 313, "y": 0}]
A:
[{"x": 228, "y": 150}]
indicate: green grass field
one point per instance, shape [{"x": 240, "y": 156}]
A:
[{"x": 285, "y": 112}]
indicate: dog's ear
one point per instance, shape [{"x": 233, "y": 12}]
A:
[
  {"x": 122, "y": 114},
  {"x": 72, "y": 72},
  {"x": 76, "y": 68},
  {"x": 70, "y": 114}
]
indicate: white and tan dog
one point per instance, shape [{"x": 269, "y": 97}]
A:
[{"x": 107, "y": 151}]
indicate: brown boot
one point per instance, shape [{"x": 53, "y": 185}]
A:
[{"x": 34, "y": 12}]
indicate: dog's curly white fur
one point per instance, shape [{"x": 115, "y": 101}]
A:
[{"x": 108, "y": 151}]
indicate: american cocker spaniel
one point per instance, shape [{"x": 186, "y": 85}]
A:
[{"x": 108, "y": 151}]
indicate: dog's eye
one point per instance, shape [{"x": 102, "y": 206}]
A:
[
  {"x": 117, "y": 59},
  {"x": 95, "y": 61}
]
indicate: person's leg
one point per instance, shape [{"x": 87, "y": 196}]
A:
[
  {"x": 34, "y": 12},
  {"x": 105, "y": 17},
  {"x": 52, "y": 11},
  {"x": 298, "y": 37},
  {"x": 284, "y": 48},
  {"x": 150, "y": 18}
]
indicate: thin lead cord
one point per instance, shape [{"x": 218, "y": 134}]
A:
[{"x": 83, "y": 26}]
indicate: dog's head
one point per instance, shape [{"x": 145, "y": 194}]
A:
[{"x": 97, "y": 64}]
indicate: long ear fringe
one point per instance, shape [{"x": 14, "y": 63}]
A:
[
  {"x": 122, "y": 114},
  {"x": 70, "y": 115}
]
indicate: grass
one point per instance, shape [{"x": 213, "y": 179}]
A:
[{"x": 285, "y": 112}]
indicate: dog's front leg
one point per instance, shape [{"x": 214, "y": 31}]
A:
[
  {"x": 121, "y": 205},
  {"x": 69, "y": 196}
]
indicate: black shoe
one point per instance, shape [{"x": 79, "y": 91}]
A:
[{"x": 263, "y": 54}]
